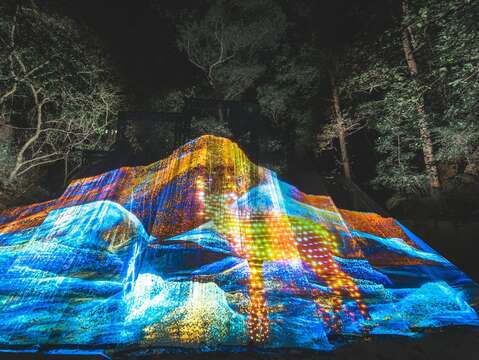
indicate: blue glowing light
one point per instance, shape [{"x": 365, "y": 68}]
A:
[{"x": 206, "y": 250}]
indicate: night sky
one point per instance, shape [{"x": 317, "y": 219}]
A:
[{"x": 140, "y": 39}]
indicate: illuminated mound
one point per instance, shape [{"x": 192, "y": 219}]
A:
[{"x": 205, "y": 249}]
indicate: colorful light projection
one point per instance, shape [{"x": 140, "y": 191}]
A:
[{"x": 206, "y": 250}]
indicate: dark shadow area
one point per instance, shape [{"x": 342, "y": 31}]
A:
[{"x": 449, "y": 343}]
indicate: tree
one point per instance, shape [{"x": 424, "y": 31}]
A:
[
  {"x": 342, "y": 123},
  {"x": 285, "y": 97},
  {"x": 232, "y": 43},
  {"x": 385, "y": 98},
  {"x": 229, "y": 42},
  {"x": 422, "y": 119},
  {"x": 452, "y": 33},
  {"x": 401, "y": 86},
  {"x": 58, "y": 95}
]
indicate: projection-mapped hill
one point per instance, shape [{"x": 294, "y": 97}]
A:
[{"x": 207, "y": 250}]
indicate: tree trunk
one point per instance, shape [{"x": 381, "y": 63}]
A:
[
  {"x": 425, "y": 133},
  {"x": 340, "y": 128},
  {"x": 290, "y": 142},
  {"x": 65, "y": 168},
  {"x": 220, "y": 111}
]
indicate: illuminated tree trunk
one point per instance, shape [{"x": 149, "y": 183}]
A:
[
  {"x": 341, "y": 131},
  {"x": 220, "y": 111},
  {"x": 424, "y": 131}
]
